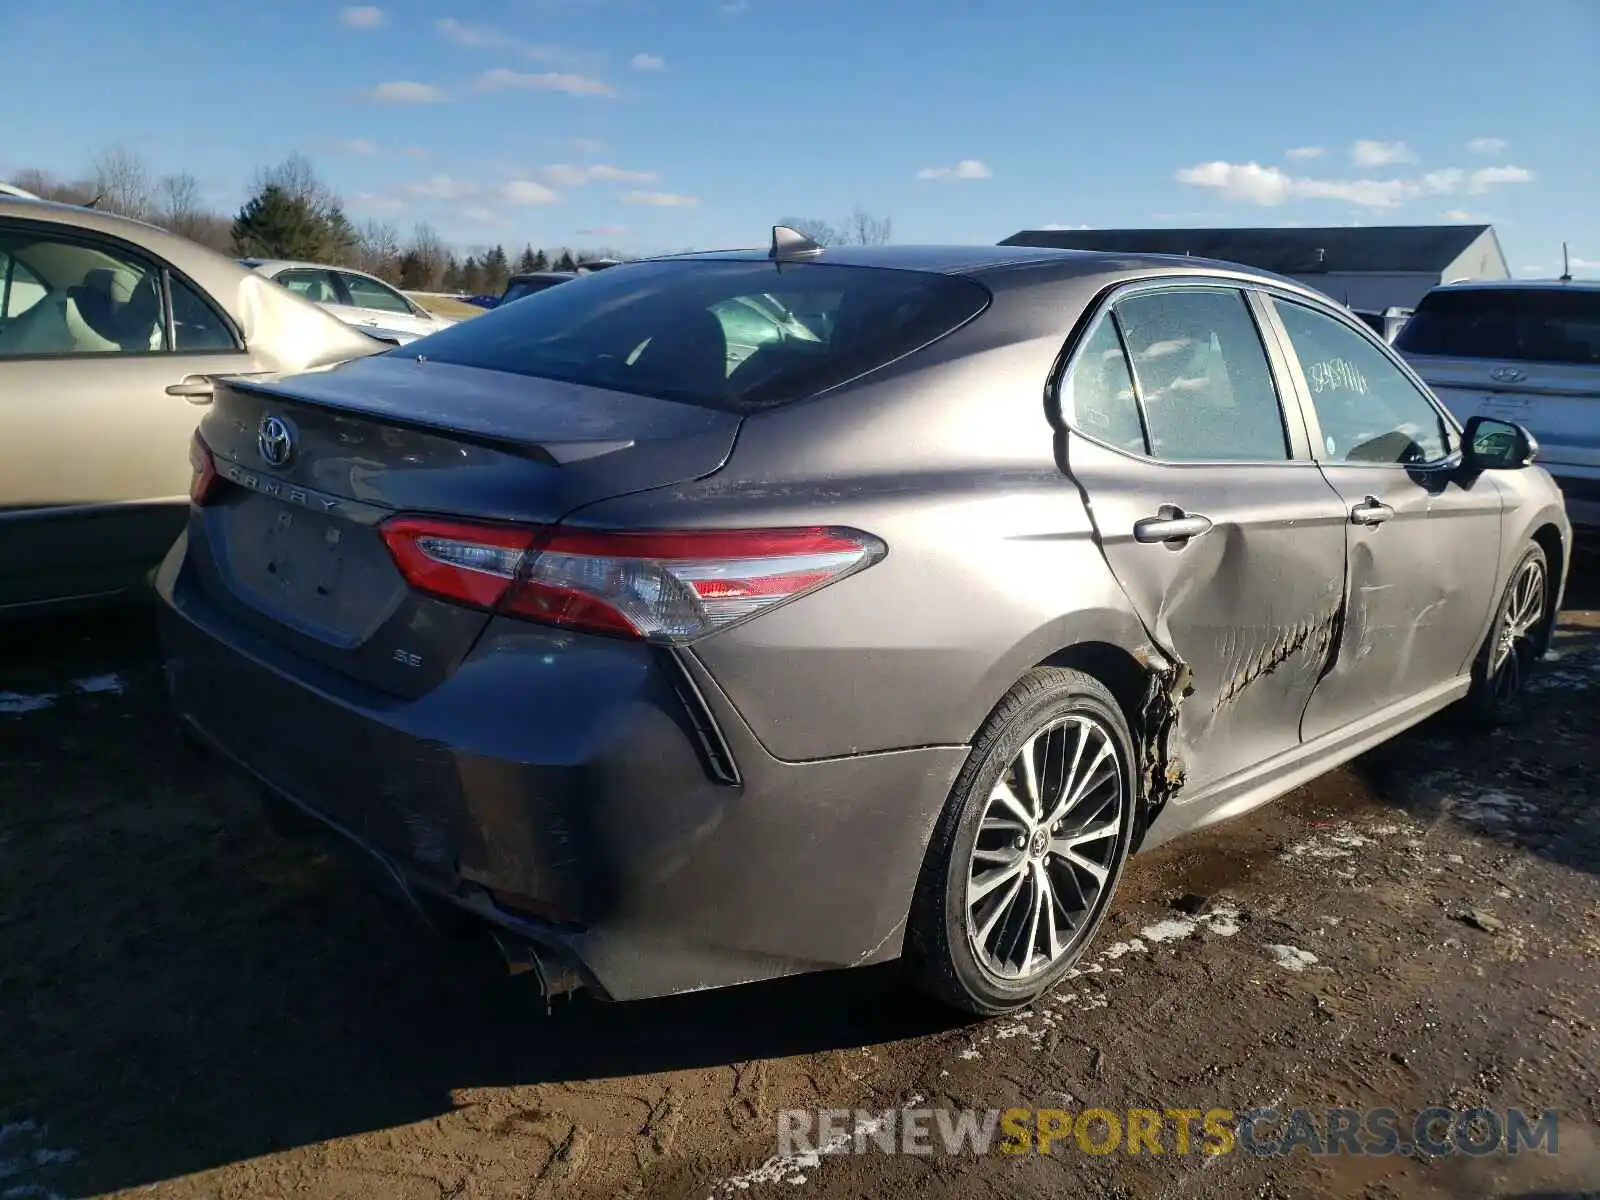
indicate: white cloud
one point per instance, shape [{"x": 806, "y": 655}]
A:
[
  {"x": 1305, "y": 153},
  {"x": 1381, "y": 154},
  {"x": 607, "y": 231},
  {"x": 501, "y": 78},
  {"x": 482, "y": 215},
  {"x": 526, "y": 191},
  {"x": 1536, "y": 269},
  {"x": 1585, "y": 264},
  {"x": 406, "y": 92},
  {"x": 1456, "y": 214},
  {"x": 967, "y": 168},
  {"x": 661, "y": 199},
  {"x": 1266, "y": 186},
  {"x": 359, "y": 146},
  {"x": 647, "y": 62},
  {"x": 463, "y": 34},
  {"x": 1485, "y": 178},
  {"x": 1053, "y": 226},
  {"x": 1250, "y": 181},
  {"x": 1487, "y": 145},
  {"x": 563, "y": 175},
  {"x": 733, "y": 8},
  {"x": 1444, "y": 182},
  {"x": 414, "y": 152},
  {"x": 441, "y": 187},
  {"x": 587, "y": 145},
  {"x": 362, "y": 16},
  {"x": 376, "y": 202}
]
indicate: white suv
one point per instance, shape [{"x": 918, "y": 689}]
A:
[{"x": 1521, "y": 351}]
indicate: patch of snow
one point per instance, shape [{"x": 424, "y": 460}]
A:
[
  {"x": 969, "y": 1055},
  {"x": 96, "y": 684},
  {"x": 1170, "y": 930},
  {"x": 1118, "y": 949},
  {"x": 22, "y": 702},
  {"x": 1291, "y": 958}
]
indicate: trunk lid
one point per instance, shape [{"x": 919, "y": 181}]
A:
[
  {"x": 291, "y": 548},
  {"x": 1559, "y": 403}
]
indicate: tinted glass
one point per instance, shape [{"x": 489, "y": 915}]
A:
[
  {"x": 195, "y": 324},
  {"x": 1369, "y": 411},
  {"x": 369, "y": 293},
  {"x": 20, "y": 289},
  {"x": 527, "y": 287},
  {"x": 1097, "y": 395},
  {"x": 1526, "y": 324},
  {"x": 1203, "y": 377},
  {"x": 81, "y": 297},
  {"x": 666, "y": 329}
]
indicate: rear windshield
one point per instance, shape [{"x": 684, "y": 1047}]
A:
[
  {"x": 519, "y": 288},
  {"x": 1528, "y": 324},
  {"x": 736, "y": 336}
]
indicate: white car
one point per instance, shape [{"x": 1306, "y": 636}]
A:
[
  {"x": 1526, "y": 351},
  {"x": 354, "y": 297}
]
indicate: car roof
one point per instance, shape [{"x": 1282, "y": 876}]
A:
[
  {"x": 1016, "y": 265},
  {"x": 255, "y": 264},
  {"x": 1520, "y": 285}
]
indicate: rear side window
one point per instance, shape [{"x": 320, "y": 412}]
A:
[
  {"x": 369, "y": 293},
  {"x": 1097, "y": 396},
  {"x": 733, "y": 335},
  {"x": 1202, "y": 376},
  {"x": 527, "y": 287},
  {"x": 1523, "y": 324}
]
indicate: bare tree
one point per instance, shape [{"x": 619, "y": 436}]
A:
[
  {"x": 862, "y": 228},
  {"x": 378, "y": 250},
  {"x": 297, "y": 178},
  {"x": 429, "y": 256},
  {"x": 122, "y": 184},
  {"x": 178, "y": 206},
  {"x": 47, "y": 187}
]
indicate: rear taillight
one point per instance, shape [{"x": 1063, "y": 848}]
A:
[
  {"x": 205, "y": 470},
  {"x": 660, "y": 586}
]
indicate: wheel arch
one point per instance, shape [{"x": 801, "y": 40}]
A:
[{"x": 1548, "y": 538}]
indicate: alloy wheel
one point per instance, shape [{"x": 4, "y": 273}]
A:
[
  {"x": 1045, "y": 849},
  {"x": 1520, "y": 626}
]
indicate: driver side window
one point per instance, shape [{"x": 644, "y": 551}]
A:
[{"x": 1369, "y": 411}]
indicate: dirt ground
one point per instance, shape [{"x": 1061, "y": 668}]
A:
[{"x": 191, "y": 1008}]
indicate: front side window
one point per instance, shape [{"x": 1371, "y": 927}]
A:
[
  {"x": 71, "y": 297},
  {"x": 1202, "y": 376},
  {"x": 731, "y": 334},
  {"x": 1369, "y": 411},
  {"x": 1097, "y": 396},
  {"x": 369, "y": 293}
]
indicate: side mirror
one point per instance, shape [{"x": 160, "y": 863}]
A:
[{"x": 1489, "y": 444}]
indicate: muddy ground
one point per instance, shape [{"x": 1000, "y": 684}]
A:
[{"x": 189, "y": 1007}]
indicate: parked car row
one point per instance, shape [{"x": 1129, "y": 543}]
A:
[{"x": 743, "y": 614}]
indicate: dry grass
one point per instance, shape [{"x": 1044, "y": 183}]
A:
[{"x": 446, "y": 307}]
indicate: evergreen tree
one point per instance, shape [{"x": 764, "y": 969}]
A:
[
  {"x": 276, "y": 224},
  {"x": 527, "y": 262},
  {"x": 566, "y": 262},
  {"x": 496, "y": 270},
  {"x": 472, "y": 277}
]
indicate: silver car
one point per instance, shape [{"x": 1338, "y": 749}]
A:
[
  {"x": 894, "y": 636},
  {"x": 112, "y": 332},
  {"x": 355, "y": 297},
  {"x": 1524, "y": 351}
]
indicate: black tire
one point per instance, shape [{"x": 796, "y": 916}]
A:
[
  {"x": 1500, "y": 673},
  {"x": 943, "y": 947}
]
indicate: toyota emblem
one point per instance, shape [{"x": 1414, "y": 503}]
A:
[{"x": 274, "y": 442}]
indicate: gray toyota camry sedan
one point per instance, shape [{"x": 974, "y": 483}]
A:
[{"x": 742, "y": 614}]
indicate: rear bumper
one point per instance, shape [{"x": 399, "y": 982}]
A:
[{"x": 571, "y": 774}]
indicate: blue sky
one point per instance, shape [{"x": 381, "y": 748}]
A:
[{"x": 670, "y": 124}]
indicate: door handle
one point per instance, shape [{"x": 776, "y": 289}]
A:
[
  {"x": 196, "y": 389},
  {"x": 1171, "y": 525},
  {"x": 1371, "y": 511}
]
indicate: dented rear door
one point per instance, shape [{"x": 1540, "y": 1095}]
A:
[{"x": 1223, "y": 534}]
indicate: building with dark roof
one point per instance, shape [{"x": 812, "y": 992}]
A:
[{"x": 1366, "y": 267}]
